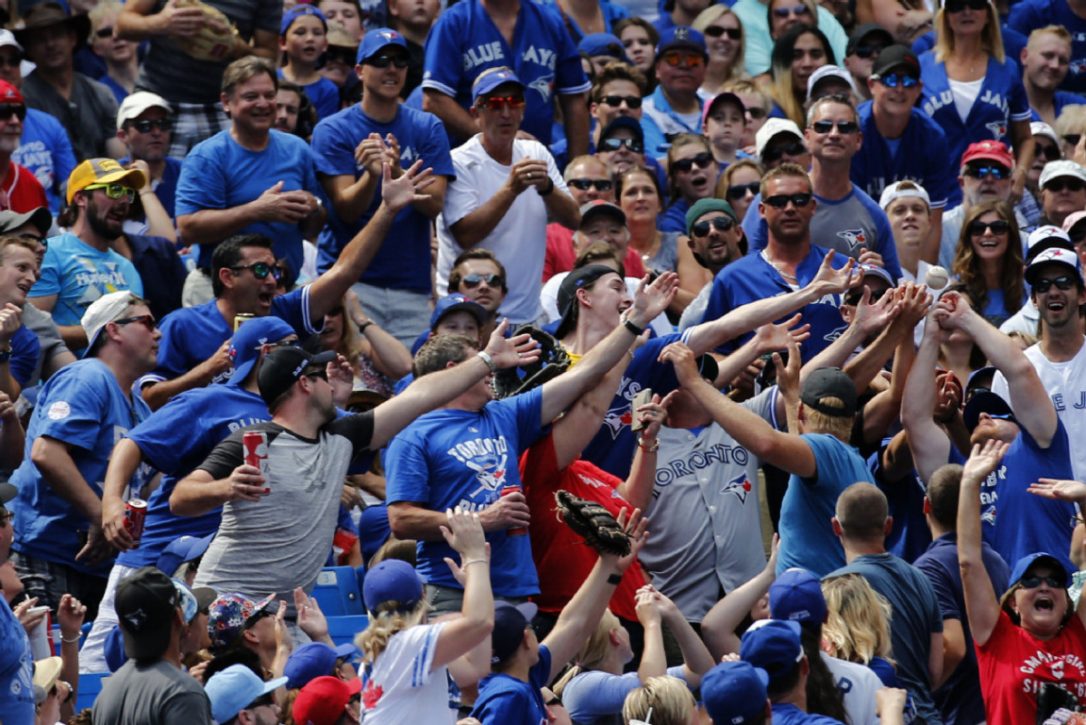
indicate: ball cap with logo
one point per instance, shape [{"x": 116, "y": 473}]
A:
[
  {"x": 322, "y": 701},
  {"x": 393, "y": 580},
  {"x": 735, "y": 693},
  {"x": 102, "y": 171},
  {"x": 988, "y": 151},
  {"x": 377, "y": 40},
  {"x": 103, "y": 311},
  {"x": 146, "y": 604},
  {"x": 247, "y": 342},
  {"x": 773, "y": 645},
  {"x": 283, "y": 366},
  {"x": 796, "y": 595},
  {"x": 491, "y": 79}
]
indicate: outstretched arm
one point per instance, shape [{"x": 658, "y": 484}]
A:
[
  {"x": 927, "y": 441},
  {"x": 981, "y": 605},
  {"x": 718, "y": 626},
  {"x": 1074, "y": 492}
]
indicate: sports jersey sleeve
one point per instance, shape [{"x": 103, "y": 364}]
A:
[
  {"x": 49, "y": 277},
  {"x": 442, "y": 71},
  {"x": 334, "y": 149},
  {"x": 25, "y": 351},
  {"x": 1018, "y": 102},
  {"x": 75, "y": 408},
  {"x": 293, "y": 308},
  {"x": 225, "y": 457},
  {"x": 406, "y": 470},
  {"x": 158, "y": 436},
  {"x": 569, "y": 74},
  {"x": 202, "y": 184},
  {"x": 529, "y": 411},
  {"x": 358, "y": 429}
]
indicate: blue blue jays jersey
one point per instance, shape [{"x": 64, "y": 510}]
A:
[
  {"x": 465, "y": 41},
  {"x": 1028, "y": 15},
  {"x": 1002, "y": 99}
]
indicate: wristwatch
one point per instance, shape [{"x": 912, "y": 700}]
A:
[{"x": 485, "y": 357}]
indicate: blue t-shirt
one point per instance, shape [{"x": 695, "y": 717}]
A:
[
  {"x": 16, "y": 670},
  {"x": 1059, "y": 100},
  {"x": 1002, "y": 99},
  {"x": 920, "y": 155},
  {"x": 1028, "y": 15},
  {"x": 504, "y": 700},
  {"x": 166, "y": 187},
  {"x": 219, "y": 173},
  {"x": 611, "y": 14},
  {"x": 807, "y": 539},
  {"x": 674, "y": 217},
  {"x": 787, "y": 714},
  {"x": 753, "y": 278},
  {"x": 465, "y": 41},
  {"x": 910, "y": 534},
  {"x": 405, "y": 262},
  {"x": 450, "y": 458},
  {"x": 25, "y": 351},
  {"x": 323, "y": 94},
  {"x": 78, "y": 274},
  {"x": 170, "y": 443},
  {"x": 83, "y": 406},
  {"x": 660, "y": 123},
  {"x": 191, "y": 335},
  {"x": 46, "y": 150}
]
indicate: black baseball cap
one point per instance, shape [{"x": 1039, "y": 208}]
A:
[
  {"x": 146, "y": 604},
  {"x": 567, "y": 293},
  {"x": 829, "y": 383},
  {"x": 895, "y": 57},
  {"x": 863, "y": 31},
  {"x": 985, "y": 401},
  {"x": 283, "y": 366}
]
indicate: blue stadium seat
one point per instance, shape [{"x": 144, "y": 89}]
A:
[
  {"x": 343, "y": 629},
  {"x": 89, "y": 687},
  {"x": 338, "y": 592}
]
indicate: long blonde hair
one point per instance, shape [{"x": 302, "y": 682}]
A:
[
  {"x": 858, "y": 624},
  {"x": 388, "y": 620},
  {"x": 667, "y": 697},
  {"x": 593, "y": 651},
  {"x": 710, "y": 15},
  {"x": 991, "y": 37}
]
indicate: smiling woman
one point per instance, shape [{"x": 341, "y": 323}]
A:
[{"x": 988, "y": 261}]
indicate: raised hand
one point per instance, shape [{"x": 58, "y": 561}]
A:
[
  {"x": 915, "y": 302},
  {"x": 653, "y": 414},
  {"x": 511, "y": 352},
  {"x": 636, "y": 527},
  {"x": 464, "y": 533},
  {"x": 983, "y": 460},
  {"x": 1057, "y": 490},
  {"x": 652, "y": 299},
  {"x": 70, "y": 615},
  {"x": 788, "y": 373},
  {"x": 398, "y": 193},
  {"x": 952, "y": 310},
  {"x": 684, "y": 361},
  {"x": 830, "y": 281},
  {"x": 341, "y": 378},
  {"x": 771, "y": 338},
  {"x": 311, "y": 619},
  {"x": 645, "y": 606},
  {"x": 873, "y": 317},
  {"x": 11, "y": 318}
]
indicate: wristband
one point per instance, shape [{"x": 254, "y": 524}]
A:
[
  {"x": 469, "y": 562},
  {"x": 614, "y": 579},
  {"x": 637, "y": 331},
  {"x": 67, "y": 640},
  {"x": 363, "y": 326},
  {"x": 648, "y": 448},
  {"x": 549, "y": 189},
  {"x": 485, "y": 357}
]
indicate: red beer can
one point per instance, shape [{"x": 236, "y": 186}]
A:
[
  {"x": 135, "y": 511},
  {"x": 255, "y": 446},
  {"x": 518, "y": 531}
]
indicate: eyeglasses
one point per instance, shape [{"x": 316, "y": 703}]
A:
[
  {"x": 780, "y": 201},
  {"x": 1032, "y": 582},
  {"x": 384, "y": 61},
  {"x": 1063, "y": 282},
  {"x": 788, "y": 12},
  {"x": 1065, "y": 183},
  {"x": 114, "y": 191},
  {"x": 898, "y": 79},
  {"x": 720, "y": 223},
  {"x": 756, "y": 112},
  {"x": 979, "y": 172},
  {"x": 702, "y": 161},
  {"x": 868, "y": 51},
  {"x": 500, "y": 103},
  {"x": 616, "y": 101},
  {"x": 1050, "y": 152},
  {"x": 998, "y": 227},
  {"x": 843, "y": 127},
  {"x": 614, "y": 144},
  {"x": 690, "y": 60},
  {"x": 956, "y": 6},
  {"x": 1072, "y": 138},
  {"x": 260, "y": 270},
  {"x": 7, "y": 110},
  {"x": 586, "y": 184},
  {"x": 776, "y": 153},
  {"x": 738, "y": 191},
  {"x": 147, "y": 321},
  {"x": 471, "y": 281},
  {"x": 715, "y": 31},
  {"x": 147, "y": 125}
]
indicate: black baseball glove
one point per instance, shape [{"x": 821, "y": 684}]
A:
[{"x": 595, "y": 523}]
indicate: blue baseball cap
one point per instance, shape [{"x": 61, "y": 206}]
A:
[
  {"x": 455, "y": 302},
  {"x": 734, "y": 693},
  {"x": 313, "y": 660},
  {"x": 1022, "y": 566},
  {"x": 796, "y": 596},
  {"x": 681, "y": 37},
  {"x": 247, "y": 341},
  {"x": 393, "y": 580},
  {"x": 298, "y": 11},
  {"x": 773, "y": 645},
  {"x": 624, "y": 122},
  {"x": 510, "y": 621},
  {"x": 606, "y": 44},
  {"x": 985, "y": 401},
  {"x": 491, "y": 79},
  {"x": 235, "y": 688},
  {"x": 181, "y": 550},
  {"x": 376, "y": 40}
]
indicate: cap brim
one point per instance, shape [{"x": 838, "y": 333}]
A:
[
  {"x": 273, "y": 685},
  {"x": 7, "y": 492},
  {"x": 346, "y": 650}
]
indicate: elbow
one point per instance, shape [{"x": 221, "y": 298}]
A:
[
  {"x": 39, "y": 453},
  {"x": 398, "y": 523},
  {"x": 187, "y": 229}
]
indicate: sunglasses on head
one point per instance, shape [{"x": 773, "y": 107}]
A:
[
  {"x": 7, "y": 110},
  {"x": 956, "y": 6},
  {"x": 789, "y": 12},
  {"x": 1063, "y": 282},
  {"x": 843, "y": 127},
  {"x": 780, "y": 201},
  {"x": 899, "y": 79},
  {"x": 690, "y": 60},
  {"x": 614, "y": 144},
  {"x": 1065, "y": 183},
  {"x": 1034, "y": 581},
  {"x": 384, "y": 61},
  {"x": 776, "y": 153},
  {"x": 715, "y": 31},
  {"x": 998, "y": 227},
  {"x": 260, "y": 270},
  {"x": 738, "y": 191},
  {"x": 500, "y": 103},
  {"x": 616, "y": 101},
  {"x": 147, "y": 321},
  {"x": 702, "y": 161},
  {"x": 471, "y": 281},
  {"x": 146, "y": 126},
  {"x": 114, "y": 191},
  {"x": 867, "y": 51},
  {"x": 979, "y": 172},
  {"x": 720, "y": 223},
  {"x": 586, "y": 184}
]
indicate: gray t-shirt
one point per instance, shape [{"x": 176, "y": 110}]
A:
[
  {"x": 89, "y": 115},
  {"x": 155, "y": 694},
  {"x": 281, "y": 541}
]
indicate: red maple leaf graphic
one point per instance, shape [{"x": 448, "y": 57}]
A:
[
  {"x": 371, "y": 695},
  {"x": 626, "y": 418},
  {"x": 746, "y": 485}
]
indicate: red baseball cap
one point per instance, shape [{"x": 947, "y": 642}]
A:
[
  {"x": 10, "y": 94},
  {"x": 321, "y": 702},
  {"x": 991, "y": 150}
]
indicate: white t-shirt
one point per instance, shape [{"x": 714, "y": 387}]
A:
[
  {"x": 549, "y": 298},
  {"x": 858, "y": 685},
  {"x": 519, "y": 240},
  {"x": 400, "y": 688}
]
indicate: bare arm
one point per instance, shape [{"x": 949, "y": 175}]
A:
[
  {"x": 74, "y": 336},
  {"x": 159, "y": 222},
  {"x": 575, "y": 112},
  {"x": 451, "y": 113},
  {"x": 474, "y": 227},
  {"x": 718, "y": 626},
  {"x": 12, "y": 435},
  {"x": 388, "y": 354},
  {"x": 562, "y": 208},
  {"x": 696, "y": 658},
  {"x": 981, "y": 605},
  {"x": 637, "y": 488},
  {"x": 464, "y": 534},
  {"x": 935, "y": 659},
  {"x": 350, "y": 197},
  {"x": 123, "y": 462},
  {"x": 928, "y": 442},
  {"x": 198, "y": 493},
  {"x": 576, "y": 429},
  {"x": 159, "y": 393},
  {"x": 953, "y": 650}
]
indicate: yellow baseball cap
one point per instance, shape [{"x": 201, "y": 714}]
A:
[{"x": 102, "y": 171}]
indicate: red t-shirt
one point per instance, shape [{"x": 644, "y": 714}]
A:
[
  {"x": 20, "y": 191},
  {"x": 561, "y": 557},
  {"x": 560, "y": 256},
  {"x": 1013, "y": 664}
]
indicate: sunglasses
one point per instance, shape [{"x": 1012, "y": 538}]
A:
[
  {"x": 702, "y": 161},
  {"x": 114, "y": 191},
  {"x": 1063, "y": 282},
  {"x": 384, "y": 61},
  {"x": 616, "y": 101},
  {"x": 720, "y": 223},
  {"x": 7, "y": 110},
  {"x": 775, "y": 153},
  {"x": 843, "y": 127},
  {"x": 998, "y": 227},
  {"x": 316, "y": 373},
  {"x": 614, "y": 144},
  {"x": 103, "y": 32},
  {"x": 854, "y": 298},
  {"x": 956, "y": 6},
  {"x": 260, "y": 270},
  {"x": 690, "y": 60},
  {"x": 979, "y": 172},
  {"x": 147, "y": 321},
  {"x": 586, "y": 184},
  {"x": 789, "y": 12},
  {"x": 471, "y": 281},
  {"x": 738, "y": 191},
  {"x": 757, "y": 112},
  {"x": 1073, "y": 138},
  {"x": 780, "y": 201},
  {"x": 1065, "y": 183},
  {"x": 715, "y": 31},
  {"x": 1048, "y": 151},
  {"x": 868, "y": 51},
  {"x": 1032, "y": 582},
  {"x": 500, "y": 103},
  {"x": 146, "y": 126},
  {"x": 899, "y": 79}
]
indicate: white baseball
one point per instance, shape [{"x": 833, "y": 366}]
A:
[{"x": 936, "y": 278}]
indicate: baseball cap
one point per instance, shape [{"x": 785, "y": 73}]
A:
[
  {"x": 136, "y": 103},
  {"x": 704, "y": 206},
  {"x": 985, "y": 401},
  {"x": 231, "y": 614},
  {"x": 680, "y": 37},
  {"x": 510, "y": 621},
  {"x": 454, "y": 302},
  {"x": 10, "y": 94},
  {"x": 1054, "y": 255},
  {"x": 7, "y": 492},
  {"x": 235, "y": 688},
  {"x": 377, "y": 40},
  {"x": 796, "y": 596},
  {"x": 1040, "y": 128},
  {"x": 725, "y": 97},
  {"x": 47, "y": 672},
  {"x": 146, "y": 602},
  {"x": 102, "y": 171},
  {"x": 393, "y": 580},
  {"x": 829, "y": 383},
  {"x": 491, "y": 79},
  {"x": 863, "y": 31},
  {"x": 599, "y": 207},
  {"x": 313, "y": 660},
  {"x": 567, "y": 292},
  {"x": 989, "y": 150},
  {"x": 7, "y": 40},
  {"x": 283, "y": 366},
  {"x": 894, "y": 191},
  {"x": 1022, "y": 566},
  {"x": 298, "y": 11},
  {"x": 894, "y": 57},
  {"x": 873, "y": 270},
  {"x": 825, "y": 72},
  {"x": 774, "y": 645},
  {"x": 1068, "y": 223},
  {"x": 771, "y": 129},
  {"x": 246, "y": 343},
  {"x": 321, "y": 702},
  {"x": 734, "y": 693},
  {"x": 181, "y": 550},
  {"x": 606, "y": 44},
  {"x": 39, "y": 217},
  {"x": 624, "y": 122},
  {"x": 1046, "y": 237},
  {"x": 103, "y": 311},
  {"x": 1058, "y": 168}
]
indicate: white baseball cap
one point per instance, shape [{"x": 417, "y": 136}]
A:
[
  {"x": 1061, "y": 167},
  {"x": 7, "y": 39},
  {"x": 104, "y": 310},
  {"x": 894, "y": 191},
  {"x": 1047, "y": 232},
  {"x": 770, "y": 129},
  {"x": 1040, "y": 128},
  {"x": 136, "y": 103},
  {"x": 828, "y": 71}
]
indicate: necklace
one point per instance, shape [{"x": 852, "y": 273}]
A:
[{"x": 788, "y": 277}]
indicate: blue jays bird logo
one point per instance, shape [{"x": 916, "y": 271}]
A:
[
  {"x": 998, "y": 129},
  {"x": 617, "y": 418},
  {"x": 854, "y": 237},
  {"x": 740, "y": 486},
  {"x": 544, "y": 86},
  {"x": 989, "y": 515}
]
